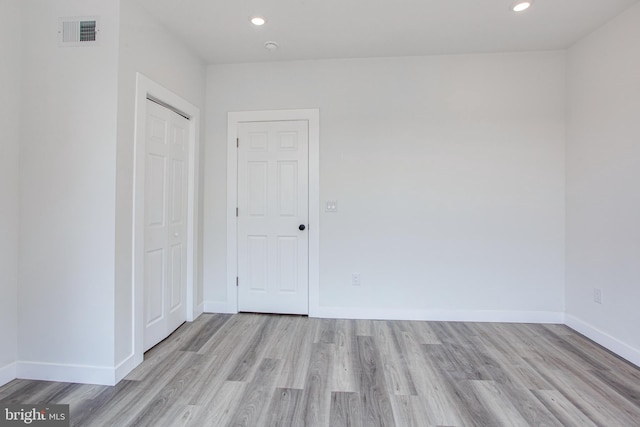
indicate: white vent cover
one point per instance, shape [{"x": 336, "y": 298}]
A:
[{"x": 82, "y": 31}]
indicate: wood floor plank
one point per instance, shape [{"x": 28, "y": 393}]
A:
[
  {"x": 83, "y": 392},
  {"x": 393, "y": 358},
  {"x": 421, "y": 330},
  {"x": 221, "y": 407},
  {"x": 520, "y": 339},
  {"x": 457, "y": 385},
  {"x": 222, "y": 356},
  {"x": 14, "y": 386},
  {"x": 284, "y": 405},
  {"x": 564, "y": 411},
  {"x": 296, "y": 365},
  {"x": 156, "y": 359},
  {"x": 35, "y": 392},
  {"x": 364, "y": 328},
  {"x": 376, "y": 406},
  {"x": 242, "y": 324},
  {"x": 471, "y": 408},
  {"x": 183, "y": 416},
  {"x": 314, "y": 410},
  {"x": 438, "y": 406},
  {"x": 345, "y": 410},
  {"x": 526, "y": 403},
  {"x": 459, "y": 362},
  {"x": 326, "y": 332},
  {"x": 248, "y": 363},
  {"x": 345, "y": 370},
  {"x": 206, "y": 332},
  {"x": 86, "y": 410},
  {"x": 468, "y": 359},
  {"x": 411, "y": 411},
  {"x": 282, "y": 335},
  {"x": 609, "y": 359},
  {"x": 560, "y": 348},
  {"x": 169, "y": 395},
  {"x": 174, "y": 341},
  {"x": 627, "y": 409},
  {"x": 252, "y": 407},
  {"x": 500, "y": 406},
  {"x": 520, "y": 372},
  {"x": 594, "y": 402},
  {"x": 126, "y": 407},
  {"x": 625, "y": 387}
]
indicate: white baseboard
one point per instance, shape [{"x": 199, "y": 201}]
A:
[
  {"x": 7, "y": 373},
  {"x": 607, "y": 341},
  {"x": 126, "y": 366},
  {"x": 217, "y": 307},
  {"x": 440, "y": 315},
  {"x": 198, "y": 310},
  {"x": 66, "y": 373}
]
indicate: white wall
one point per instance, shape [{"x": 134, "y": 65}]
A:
[
  {"x": 10, "y": 82},
  {"x": 148, "y": 48},
  {"x": 603, "y": 173},
  {"x": 449, "y": 177},
  {"x": 66, "y": 268}
]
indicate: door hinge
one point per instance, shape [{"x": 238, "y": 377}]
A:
[
  {"x": 237, "y": 281},
  {"x": 237, "y": 212},
  {"x": 238, "y": 142}
]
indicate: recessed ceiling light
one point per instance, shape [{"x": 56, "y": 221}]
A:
[
  {"x": 258, "y": 20},
  {"x": 271, "y": 46},
  {"x": 522, "y": 5}
]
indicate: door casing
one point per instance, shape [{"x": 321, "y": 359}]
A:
[{"x": 312, "y": 116}]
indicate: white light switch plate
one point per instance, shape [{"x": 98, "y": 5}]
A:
[{"x": 331, "y": 206}]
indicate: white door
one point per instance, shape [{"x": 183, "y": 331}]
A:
[
  {"x": 165, "y": 227},
  {"x": 273, "y": 212}
]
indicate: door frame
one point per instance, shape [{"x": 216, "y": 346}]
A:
[
  {"x": 312, "y": 116},
  {"x": 148, "y": 89}
]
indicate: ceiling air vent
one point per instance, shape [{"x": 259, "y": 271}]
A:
[{"x": 79, "y": 31}]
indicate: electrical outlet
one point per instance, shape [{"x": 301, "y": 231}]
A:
[
  {"x": 597, "y": 295},
  {"x": 355, "y": 279}
]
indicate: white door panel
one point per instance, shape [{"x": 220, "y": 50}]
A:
[
  {"x": 257, "y": 263},
  {"x": 273, "y": 187},
  {"x": 154, "y": 282},
  {"x": 165, "y": 226},
  {"x": 287, "y": 264}
]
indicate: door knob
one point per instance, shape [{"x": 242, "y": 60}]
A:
[{"x": 302, "y": 227}]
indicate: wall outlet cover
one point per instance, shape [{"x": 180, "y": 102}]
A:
[
  {"x": 597, "y": 295},
  {"x": 355, "y": 279}
]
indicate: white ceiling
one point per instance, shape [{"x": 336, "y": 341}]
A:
[{"x": 220, "y": 32}]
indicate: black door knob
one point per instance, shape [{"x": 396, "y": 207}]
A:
[{"x": 302, "y": 227}]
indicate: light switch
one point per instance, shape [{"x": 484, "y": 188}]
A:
[{"x": 331, "y": 206}]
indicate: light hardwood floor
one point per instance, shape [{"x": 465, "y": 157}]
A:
[{"x": 269, "y": 370}]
